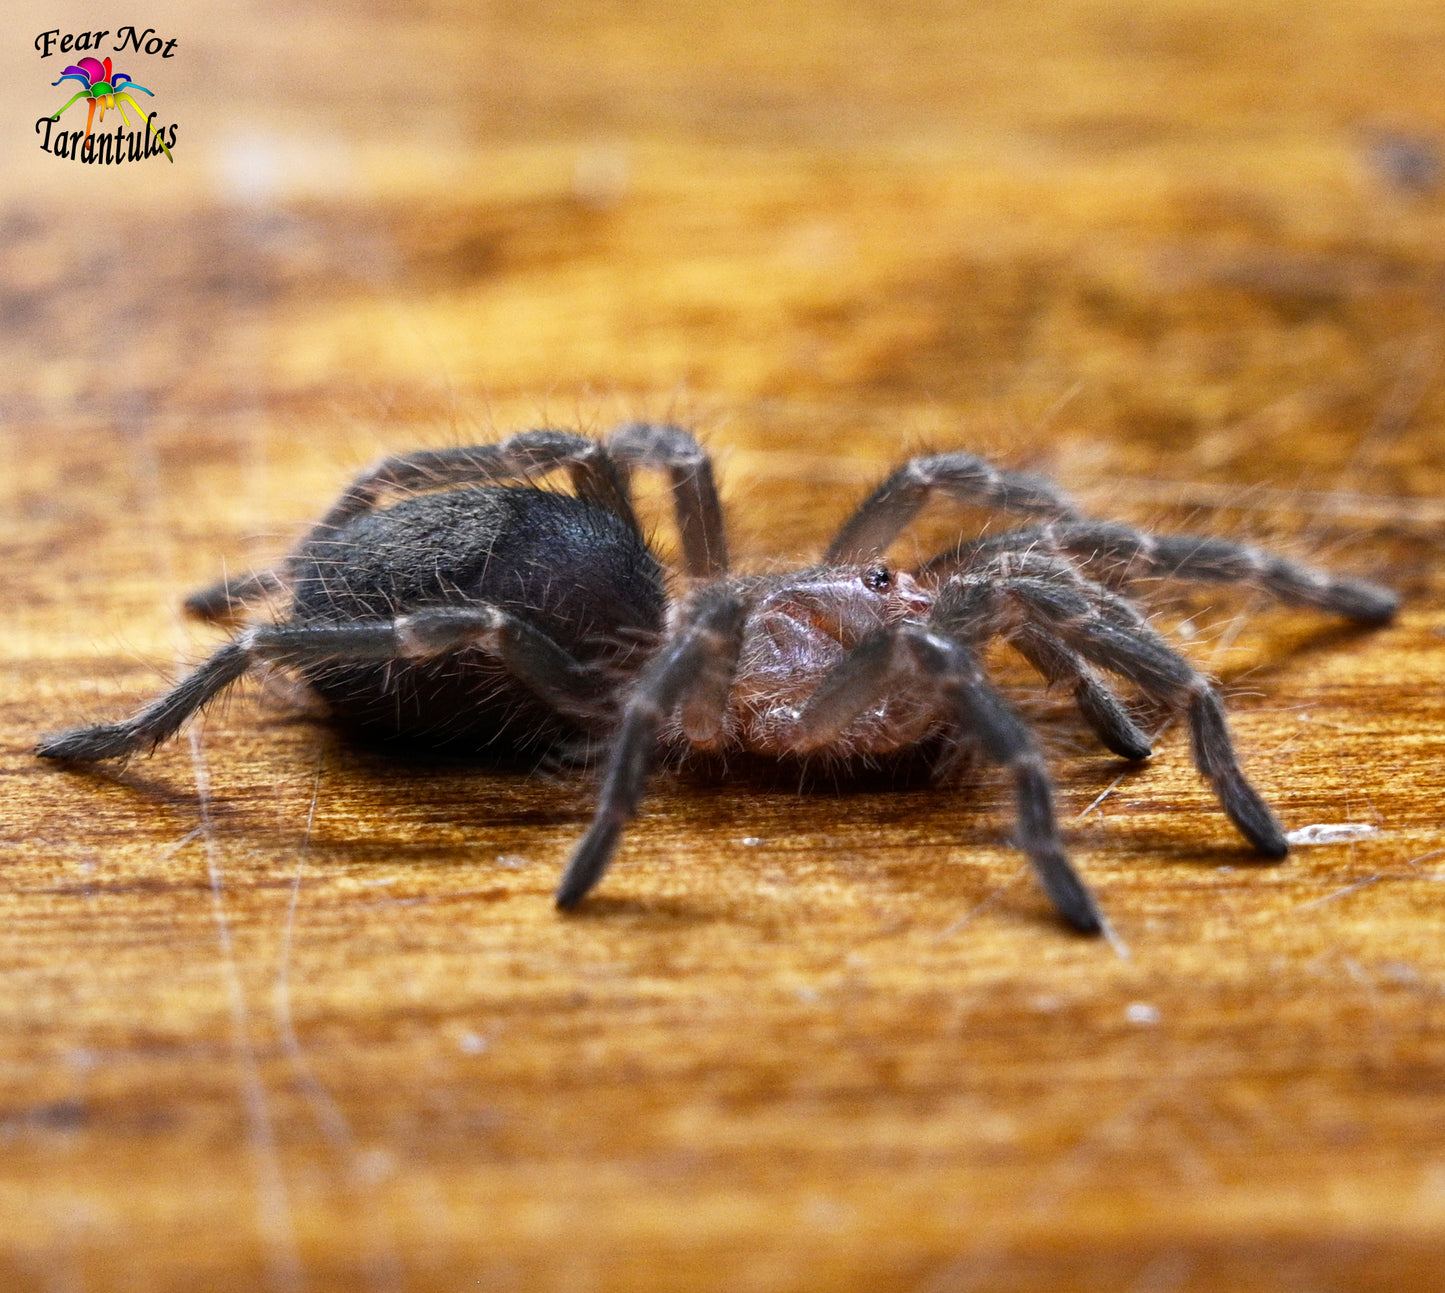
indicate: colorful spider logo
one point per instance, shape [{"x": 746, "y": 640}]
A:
[{"x": 108, "y": 90}]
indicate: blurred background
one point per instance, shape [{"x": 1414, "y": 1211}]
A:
[
  {"x": 1186, "y": 255},
  {"x": 1182, "y": 238}
]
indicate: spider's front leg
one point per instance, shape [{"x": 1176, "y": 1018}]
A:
[
  {"x": 963, "y": 477},
  {"x": 894, "y": 657},
  {"x": 692, "y": 670},
  {"x": 1052, "y": 601},
  {"x": 1118, "y": 555}
]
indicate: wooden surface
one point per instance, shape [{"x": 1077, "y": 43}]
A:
[{"x": 282, "y": 1015}]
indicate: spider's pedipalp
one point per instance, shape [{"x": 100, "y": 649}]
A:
[
  {"x": 694, "y": 491},
  {"x": 853, "y": 686},
  {"x": 962, "y": 477},
  {"x": 702, "y": 649}
]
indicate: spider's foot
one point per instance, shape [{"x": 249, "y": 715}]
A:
[
  {"x": 1364, "y": 602},
  {"x": 589, "y": 860},
  {"x": 1253, "y": 817},
  {"x": 88, "y": 744},
  {"x": 1069, "y": 894},
  {"x": 1072, "y": 898}
]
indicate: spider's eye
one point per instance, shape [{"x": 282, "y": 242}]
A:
[{"x": 878, "y": 579}]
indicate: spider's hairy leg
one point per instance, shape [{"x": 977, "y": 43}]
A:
[
  {"x": 1117, "y": 555},
  {"x": 686, "y": 671},
  {"x": 962, "y": 477},
  {"x": 160, "y": 719},
  {"x": 1109, "y": 633},
  {"x": 1209, "y": 560},
  {"x": 871, "y": 668},
  {"x": 694, "y": 491},
  {"x": 522, "y": 457},
  {"x": 532, "y": 657},
  {"x": 1104, "y": 712},
  {"x": 223, "y": 601}
]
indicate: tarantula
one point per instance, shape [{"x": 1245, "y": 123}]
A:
[{"x": 480, "y": 612}]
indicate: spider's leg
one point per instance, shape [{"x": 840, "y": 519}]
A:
[
  {"x": 1117, "y": 555},
  {"x": 522, "y": 457},
  {"x": 1109, "y": 633},
  {"x": 89, "y": 121},
  {"x": 699, "y": 655},
  {"x": 223, "y": 601},
  {"x": 1009, "y": 554},
  {"x": 534, "y": 659},
  {"x": 159, "y": 134},
  {"x": 158, "y": 720},
  {"x": 1104, "y": 712},
  {"x": 866, "y": 673},
  {"x": 79, "y": 94},
  {"x": 530, "y": 655},
  {"x": 959, "y": 476},
  {"x": 525, "y": 456},
  {"x": 694, "y": 492},
  {"x": 1133, "y": 555}
]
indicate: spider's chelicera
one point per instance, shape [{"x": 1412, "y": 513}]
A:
[{"x": 446, "y": 600}]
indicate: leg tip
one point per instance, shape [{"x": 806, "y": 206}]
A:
[
  {"x": 1072, "y": 898},
  {"x": 589, "y": 860},
  {"x": 85, "y": 745},
  {"x": 1089, "y": 922},
  {"x": 566, "y": 900},
  {"x": 1371, "y": 605},
  {"x": 1273, "y": 849}
]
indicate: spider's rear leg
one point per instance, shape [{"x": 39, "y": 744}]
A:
[
  {"x": 529, "y": 655},
  {"x": 962, "y": 477},
  {"x": 227, "y": 599},
  {"x": 860, "y": 681},
  {"x": 694, "y": 491},
  {"x": 522, "y": 457},
  {"x": 694, "y": 670},
  {"x": 1109, "y": 633},
  {"x": 160, "y": 719}
]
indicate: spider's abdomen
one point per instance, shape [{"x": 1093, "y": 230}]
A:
[{"x": 568, "y": 567}]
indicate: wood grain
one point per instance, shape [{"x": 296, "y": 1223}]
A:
[{"x": 282, "y": 1014}]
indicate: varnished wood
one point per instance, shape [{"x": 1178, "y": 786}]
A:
[{"x": 283, "y": 1014}]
